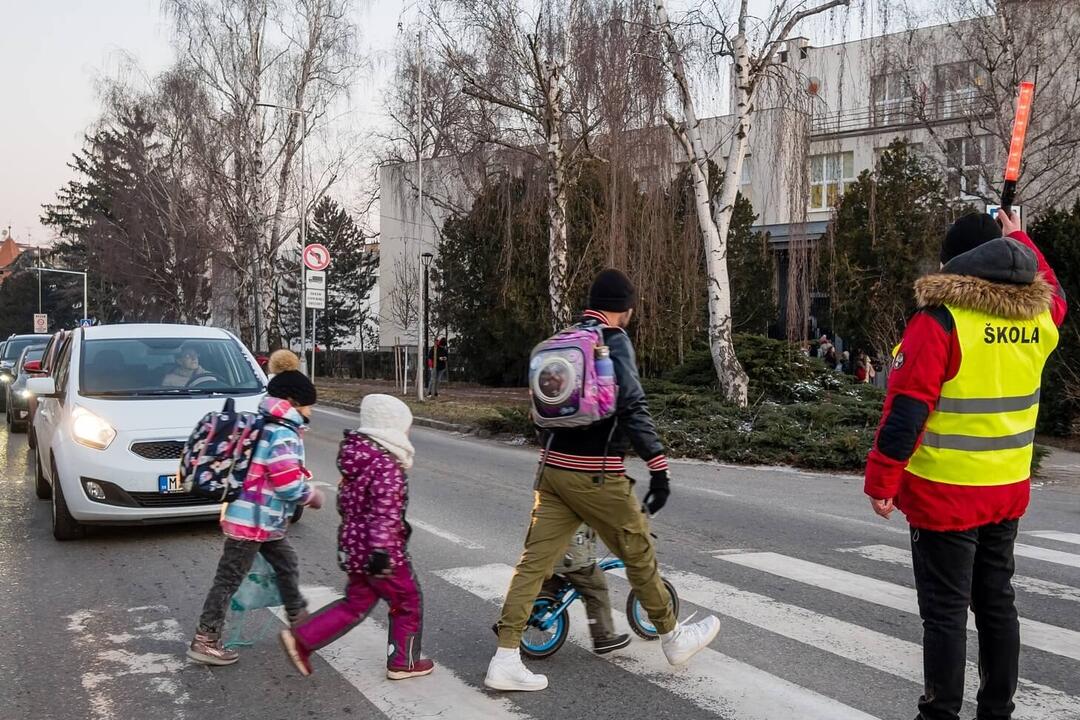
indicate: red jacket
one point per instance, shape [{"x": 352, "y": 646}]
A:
[{"x": 931, "y": 357}]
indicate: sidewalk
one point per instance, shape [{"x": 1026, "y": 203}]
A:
[
  {"x": 1061, "y": 467},
  {"x": 459, "y": 407}
]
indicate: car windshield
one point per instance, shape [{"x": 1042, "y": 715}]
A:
[
  {"x": 16, "y": 345},
  {"x": 166, "y": 367},
  {"x": 31, "y": 355}
]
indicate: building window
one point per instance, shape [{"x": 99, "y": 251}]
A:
[
  {"x": 830, "y": 176},
  {"x": 967, "y": 159},
  {"x": 891, "y": 96},
  {"x": 958, "y": 87}
]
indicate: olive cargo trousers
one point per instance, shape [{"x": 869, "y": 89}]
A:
[{"x": 564, "y": 499}]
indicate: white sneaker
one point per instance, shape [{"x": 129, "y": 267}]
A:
[
  {"x": 687, "y": 640},
  {"x": 509, "y": 673}
]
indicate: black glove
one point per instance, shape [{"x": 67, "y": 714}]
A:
[
  {"x": 378, "y": 562},
  {"x": 659, "y": 490}
]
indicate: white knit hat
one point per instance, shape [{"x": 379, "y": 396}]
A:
[{"x": 387, "y": 420}]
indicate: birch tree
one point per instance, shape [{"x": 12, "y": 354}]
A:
[
  {"x": 252, "y": 52},
  {"x": 517, "y": 64},
  {"x": 752, "y": 63}
]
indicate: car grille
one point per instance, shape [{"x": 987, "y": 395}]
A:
[
  {"x": 159, "y": 450},
  {"x": 158, "y": 500}
]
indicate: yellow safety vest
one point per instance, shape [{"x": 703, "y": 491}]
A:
[{"x": 982, "y": 431}]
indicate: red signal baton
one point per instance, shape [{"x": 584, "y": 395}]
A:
[{"x": 1016, "y": 147}]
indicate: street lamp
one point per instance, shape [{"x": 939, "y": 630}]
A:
[
  {"x": 303, "y": 230},
  {"x": 426, "y": 259},
  {"x": 67, "y": 272}
]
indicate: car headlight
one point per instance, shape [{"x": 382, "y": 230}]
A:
[
  {"x": 4, "y": 377},
  {"x": 25, "y": 394},
  {"x": 90, "y": 430}
]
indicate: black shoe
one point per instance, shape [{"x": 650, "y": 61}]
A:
[{"x": 615, "y": 642}]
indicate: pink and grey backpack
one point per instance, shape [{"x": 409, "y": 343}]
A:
[{"x": 572, "y": 379}]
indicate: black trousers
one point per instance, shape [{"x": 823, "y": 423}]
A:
[
  {"x": 236, "y": 560},
  {"x": 954, "y": 571}
]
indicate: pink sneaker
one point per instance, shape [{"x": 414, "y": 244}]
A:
[
  {"x": 418, "y": 669},
  {"x": 300, "y": 657}
]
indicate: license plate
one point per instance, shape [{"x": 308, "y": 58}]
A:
[{"x": 169, "y": 484}]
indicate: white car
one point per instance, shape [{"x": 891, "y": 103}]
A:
[{"x": 113, "y": 417}]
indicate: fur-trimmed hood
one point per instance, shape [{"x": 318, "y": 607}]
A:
[{"x": 999, "y": 277}]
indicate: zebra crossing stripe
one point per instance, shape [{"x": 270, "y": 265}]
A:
[
  {"x": 1035, "y": 586},
  {"x": 360, "y": 657},
  {"x": 712, "y": 681},
  {"x": 1046, "y": 555},
  {"x": 1035, "y": 634},
  {"x": 1065, "y": 537},
  {"x": 886, "y": 653}
]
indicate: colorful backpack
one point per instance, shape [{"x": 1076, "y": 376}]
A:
[
  {"x": 217, "y": 455},
  {"x": 572, "y": 379}
]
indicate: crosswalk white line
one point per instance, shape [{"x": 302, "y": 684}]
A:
[
  {"x": 360, "y": 657},
  {"x": 712, "y": 681},
  {"x": 1065, "y": 537},
  {"x": 1046, "y": 555},
  {"x": 853, "y": 642},
  {"x": 444, "y": 534},
  {"x": 1035, "y": 634},
  {"x": 1035, "y": 586}
]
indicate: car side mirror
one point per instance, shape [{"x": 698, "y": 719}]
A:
[
  {"x": 42, "y": 387},
  {"x": 32, "y": 366}
]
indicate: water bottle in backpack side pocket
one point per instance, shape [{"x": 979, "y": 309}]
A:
[{"x": 606, "y": 387}]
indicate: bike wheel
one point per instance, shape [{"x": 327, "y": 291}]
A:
[
  {"x": 544, "y": 633},
  {"x": 639, "y": 619}
]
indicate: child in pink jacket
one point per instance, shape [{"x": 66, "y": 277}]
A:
[{"x": 372, "y": 543}]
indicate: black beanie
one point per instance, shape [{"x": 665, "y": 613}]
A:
[
  {"x": 292, "y": 385},
  {"x": 612, "y": 291},
  {"x": 968, "y": 233}
]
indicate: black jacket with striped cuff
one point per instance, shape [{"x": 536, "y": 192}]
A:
[{"x": 602, "y": 446}]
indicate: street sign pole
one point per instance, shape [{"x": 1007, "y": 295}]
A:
[
  {"x": 303, "y": 246},
  {"x": 314, "y": 317}
]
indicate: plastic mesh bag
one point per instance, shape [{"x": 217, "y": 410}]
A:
[{"x": 259, "y": 590}]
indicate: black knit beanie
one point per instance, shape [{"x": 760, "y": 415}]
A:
[
  {"x": 612, "y": 291},
  {"x": 292, "y": 385},
  {"x": 968, "y": 233}
]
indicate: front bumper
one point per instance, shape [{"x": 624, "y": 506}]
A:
[{"x": 130, "y": 481}]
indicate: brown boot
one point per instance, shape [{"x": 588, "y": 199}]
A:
[{"x": 206, "y": 648}]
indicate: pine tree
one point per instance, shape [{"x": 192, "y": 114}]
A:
[
  {"x": 349, "y": 279},
  {"x": 886, "y": 233}
]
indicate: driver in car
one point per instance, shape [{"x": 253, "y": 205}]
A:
[{"x": 187, "y": 372}]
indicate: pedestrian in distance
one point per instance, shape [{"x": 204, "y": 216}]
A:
[
  {"x": 582, "y": 478},
  {"x": 372, "y": 544},
  {"x": 954, "y": 448},
  {"x": 436, "y": 362},
  {"x": 257, "y": 522}
]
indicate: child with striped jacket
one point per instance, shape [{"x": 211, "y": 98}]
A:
[{"x": 257, "y": 521}]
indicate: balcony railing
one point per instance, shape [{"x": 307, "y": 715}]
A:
[{"x": 900, "y": 113}]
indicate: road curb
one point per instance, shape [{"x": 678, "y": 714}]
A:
[{"x": 421, "y": 421}]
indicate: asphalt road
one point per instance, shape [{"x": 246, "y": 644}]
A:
[{"x": 813, "y": 592}]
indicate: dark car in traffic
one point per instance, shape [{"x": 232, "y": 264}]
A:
[
  {"x": 12, "y": 350},
  {"x": 17, "y": 396}
]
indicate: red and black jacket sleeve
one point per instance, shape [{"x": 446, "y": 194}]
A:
[
  {"x": 928, "y": 356},
  {"x": 1059, "y": 305},
  {"x": 632, "y": 410}
]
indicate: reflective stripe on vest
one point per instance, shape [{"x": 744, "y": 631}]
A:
[{"x": 982, "y": 431}]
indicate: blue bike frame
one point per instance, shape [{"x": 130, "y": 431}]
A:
[{"x": 569, "y": 598}]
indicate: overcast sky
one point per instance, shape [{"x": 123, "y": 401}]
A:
[{"x": 56, "y": 51}]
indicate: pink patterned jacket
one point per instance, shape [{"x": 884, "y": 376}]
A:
[{"x": 371, "y": 501}]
